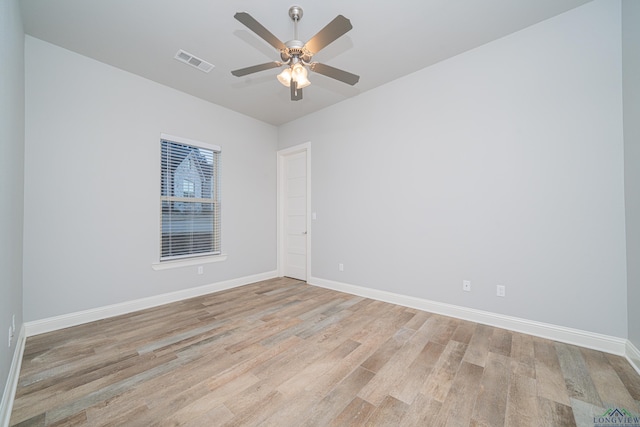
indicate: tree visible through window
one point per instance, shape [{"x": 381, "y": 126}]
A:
[{"x": 190, "y": 199}]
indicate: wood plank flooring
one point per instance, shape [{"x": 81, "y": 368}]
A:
[{"x": 283, "y": 353}]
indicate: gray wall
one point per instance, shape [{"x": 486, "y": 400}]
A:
[
  {"x": 92, "y": 184},
  {"x": 11, "y": 176},
  {"x": 631, "y": 87},
  {"x": 502, "y": 166}
]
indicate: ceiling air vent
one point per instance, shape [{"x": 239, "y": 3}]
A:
[{"x": 194, "y": 61}]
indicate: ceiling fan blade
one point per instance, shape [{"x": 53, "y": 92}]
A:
[
  {"x": 334, "y": 29},
  {"x": 296, "y": 94},
  {"x": 257, "y": 28},
  {"x": 335, "y": 73},
  {"x": 255, "y": 68}
]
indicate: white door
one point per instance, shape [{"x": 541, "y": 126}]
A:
[{"x": 294, "y": 199}]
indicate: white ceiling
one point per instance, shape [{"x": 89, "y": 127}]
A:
[{"x": 389, "y": 39}]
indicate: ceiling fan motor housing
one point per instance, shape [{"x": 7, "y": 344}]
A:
[{"x": 295, "y": 49}]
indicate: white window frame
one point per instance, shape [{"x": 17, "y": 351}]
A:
[{"x": 195, "y": 258}]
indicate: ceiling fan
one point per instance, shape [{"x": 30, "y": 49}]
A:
[{"x": 297, "y": 55}]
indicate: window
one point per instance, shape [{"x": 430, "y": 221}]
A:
[{"x": 189, "y": 198}]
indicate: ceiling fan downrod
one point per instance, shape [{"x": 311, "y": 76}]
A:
[
  {"x": 295, "y": 13},
  {"x": 294, "y": 47}
]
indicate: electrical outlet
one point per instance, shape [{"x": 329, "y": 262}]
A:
[
  {"x": 466, "y": 285},
  {"x": 500, "y": 291},
  {"x": 340, "y": 267},
  {"x": 200, "y": 269}
]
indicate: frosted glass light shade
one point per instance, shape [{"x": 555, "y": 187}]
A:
[
  {"x": 299, "y": 74},
  {"x": 285, "y": 77},
  {"x": 302, "y": 81}
]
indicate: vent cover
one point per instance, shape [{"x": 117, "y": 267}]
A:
[{"x": 194, "y": 61}]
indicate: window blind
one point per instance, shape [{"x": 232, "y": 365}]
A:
[{"x": 189, "y": 199}]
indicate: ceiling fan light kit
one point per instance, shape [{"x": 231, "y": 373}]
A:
[
  {"x": 297, "y": 55},
  {"x": 295, "y": 73}
]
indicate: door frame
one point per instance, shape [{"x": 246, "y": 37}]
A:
[{"x": 280, "y": 230}]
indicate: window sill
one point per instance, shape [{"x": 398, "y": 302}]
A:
[{"x": 188, "y": 262}]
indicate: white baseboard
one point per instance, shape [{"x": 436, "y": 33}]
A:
[
  {"x": 37, "y": 327},
  {"x": 605, "y": 343},
  {"x": 633, "y": 356},
  {"x": 12, "y": 380}
]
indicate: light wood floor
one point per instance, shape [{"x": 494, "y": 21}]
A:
[{"x": 283, "y": 353}]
